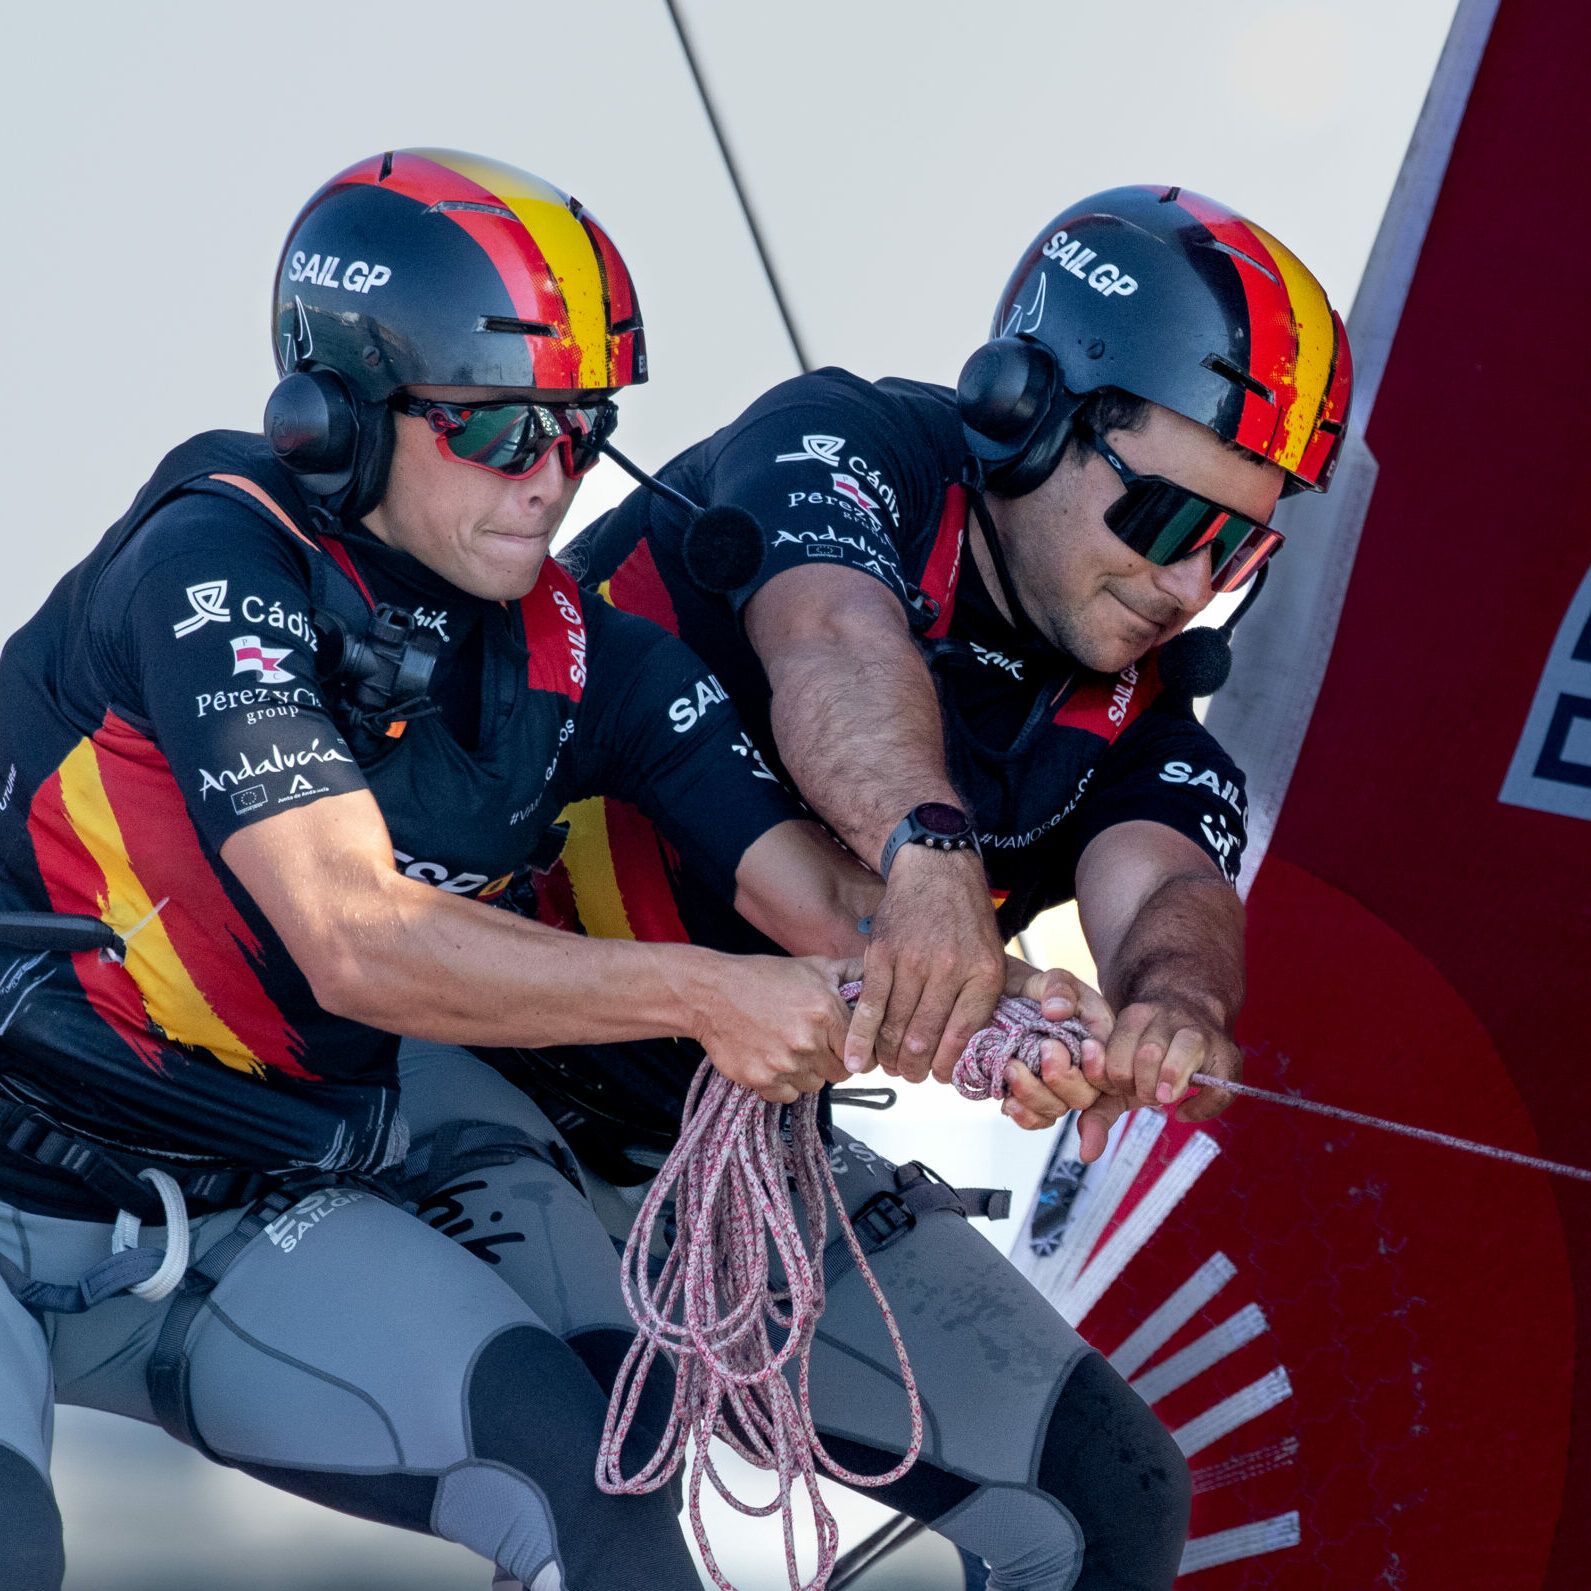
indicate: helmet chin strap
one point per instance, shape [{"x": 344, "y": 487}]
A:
[{"x": 1021, "y": 621}]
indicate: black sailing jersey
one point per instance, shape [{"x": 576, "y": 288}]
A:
[
  {"x": 866, "y": 476},
  {"x": 167, "y": 695}
]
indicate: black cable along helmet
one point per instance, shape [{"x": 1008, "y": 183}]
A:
[
  {"x": 1174, "y": 298},
  {"x": 432, "y": 267}
]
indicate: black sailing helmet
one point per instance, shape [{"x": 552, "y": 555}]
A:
[{"x": 1172, "y": 297}]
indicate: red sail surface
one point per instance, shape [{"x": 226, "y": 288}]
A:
[{"x": 1380, "y": 1385}]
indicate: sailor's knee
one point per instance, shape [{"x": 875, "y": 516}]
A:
[
  {"x": 1120, "y": 1475},
  {"x": 30, "y": 1527}
]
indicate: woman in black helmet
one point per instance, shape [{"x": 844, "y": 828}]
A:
[{"x": 278, "y": 745}]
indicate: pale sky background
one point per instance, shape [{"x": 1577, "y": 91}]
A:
[{"x": 901, "y": 153}]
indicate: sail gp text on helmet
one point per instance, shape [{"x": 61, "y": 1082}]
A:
[
  {"x": 1073, "y": 258},
  {"x": 359, "y": 277}
]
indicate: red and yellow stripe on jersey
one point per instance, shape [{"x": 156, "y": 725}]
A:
[
  {"x": 113, "y": 840},
  {"x": 614, "y": 860},
  {"x": 559, "y": 267}
]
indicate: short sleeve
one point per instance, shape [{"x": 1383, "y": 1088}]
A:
[
  {"x": 658, "y": 730},
  {"x": 832, "y": 474},
  {"x": 201, "y": 633},
  {"x": 1167, "y": 768}
]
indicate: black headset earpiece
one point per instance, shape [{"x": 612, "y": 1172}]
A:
[
  {"x": 1016, "y": 413},
  {"x": 338, "y": 446}
]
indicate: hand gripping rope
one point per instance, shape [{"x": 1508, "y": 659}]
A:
[
  {"x": 712, "y": 1305},
  {"x": 713, "y": 1308}
]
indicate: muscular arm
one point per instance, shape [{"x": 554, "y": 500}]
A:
[
  {"x": 396, "y": 954},
  {"x": 857, "y": 724},
  {"x": 1166, "y": 930}
]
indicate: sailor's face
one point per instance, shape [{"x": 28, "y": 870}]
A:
[
  {"x": 1081, "y": 584},
  {"x": 485, "y": 533}
]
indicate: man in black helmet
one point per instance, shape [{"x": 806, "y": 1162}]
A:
[
  {"x": 275, "y": 750},
  {"x": 954, "y": 637},
  {"x": 953, "y": 642}
]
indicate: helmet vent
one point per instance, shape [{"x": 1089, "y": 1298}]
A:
[
  {"x": 444, "y": 205},
  {"x": 520, "y": 328},
  {"x": 1238, "y": 254},
  {"x": 629, "y": 323},
  {"x": 386, "y": 167},
  {"x": 1239, "y": 378}
]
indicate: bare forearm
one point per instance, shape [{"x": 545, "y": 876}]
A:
[
  {"x": 1183, "y": 948},
  {"x": 859, "y": 729},
  {"x": 801, "y": 888},
  {"x": 413, "y": 960}
]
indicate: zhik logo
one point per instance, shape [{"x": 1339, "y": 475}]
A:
[
  {"x": 208, "y": 601},
  {"x": 825, "y": 449},
  {"x": 248, "y": 652}
]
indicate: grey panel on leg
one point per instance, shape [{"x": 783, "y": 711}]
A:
[
  {"x": 988, "y": 1352},
  {"x": 355, "y": 1356},
  {"x": 31, "y": 1556},
  {"x": 525, "y": 1219}
]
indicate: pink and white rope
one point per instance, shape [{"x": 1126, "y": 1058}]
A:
[{"x": 713, "y": 1312}]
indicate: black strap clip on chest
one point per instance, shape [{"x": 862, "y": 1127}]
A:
[{"x": 377, "y": 674}]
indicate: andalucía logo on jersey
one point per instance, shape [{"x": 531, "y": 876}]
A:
[
  {"x": 249, "y": 654},
  {"x": 208, "y": 601}
]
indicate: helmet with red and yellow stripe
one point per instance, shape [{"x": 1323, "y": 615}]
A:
[
  {"x": 432, "y": 267},
  {"x": 1172, "y": 297}
]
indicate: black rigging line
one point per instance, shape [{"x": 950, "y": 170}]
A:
[{"x": 740, "y": 187}]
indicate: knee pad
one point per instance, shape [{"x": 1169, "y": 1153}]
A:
[
  {"x": 536, "y": 1410},
  {"x": 30, "y": 1527},
  {"x": 1113, "y": 1465}
]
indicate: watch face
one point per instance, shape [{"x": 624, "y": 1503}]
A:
[{"x": 938, "y": 817}]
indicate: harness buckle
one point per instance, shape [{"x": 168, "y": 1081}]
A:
[{"x": 883, "y": 1220}]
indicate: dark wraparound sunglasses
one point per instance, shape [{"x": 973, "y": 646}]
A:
[
  {"x": 1166, "y": 523},
  {"x": 515, "y": 439}
]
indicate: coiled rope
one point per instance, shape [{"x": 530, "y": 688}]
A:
[{"x": 713, "y": 1308}]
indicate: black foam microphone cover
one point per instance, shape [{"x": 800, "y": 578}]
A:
[
  {"x": 1196, "y": 663},
  {"x": 722, "y": 549}
]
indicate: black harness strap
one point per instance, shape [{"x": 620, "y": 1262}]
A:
[
  {"x": 100, "y": 1281},
  {"x": 458, "y": 1147},
  {"x": 888, "y": 1216},
  {"x": 167, "y": 1374}
]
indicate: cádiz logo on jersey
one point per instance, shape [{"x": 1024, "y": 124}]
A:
[
  {"x": 208, "y": 601},
  {"x": 825, "y": 449},
  {"x": 250, "y": 654}
]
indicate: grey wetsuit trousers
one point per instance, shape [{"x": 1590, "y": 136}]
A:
[
  {"x": 355, "y": 1356},
  {"x": 1036, "y": 1457}
]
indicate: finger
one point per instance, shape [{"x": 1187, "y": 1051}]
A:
[
  {"x": 1148, "y": 1057},
  {"x": 927, "y": 1034},
  {"x": 973, "y": 1008},
  {"x": 1093, "y": 1126},
  {"x": 1226, "y": 1061},
  {"x": 1183, "y": 1057},
  {"x": 1064, "y": 1078},
  {"x": 1023, "y": 1117},
  {"x": 861, "y": 1039},
  {"x": 1116, "y": 1068},
  {"x": 1034, "y": 1094},
  {"x": 781, "y": 1093},
  {"x": 1057, "y": 992},
  {"x": 905, "y": 992},
  {"x": 1095, "y": 1014}
]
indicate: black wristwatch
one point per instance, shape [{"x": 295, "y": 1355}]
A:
[{"x": 936, "y": 824}]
